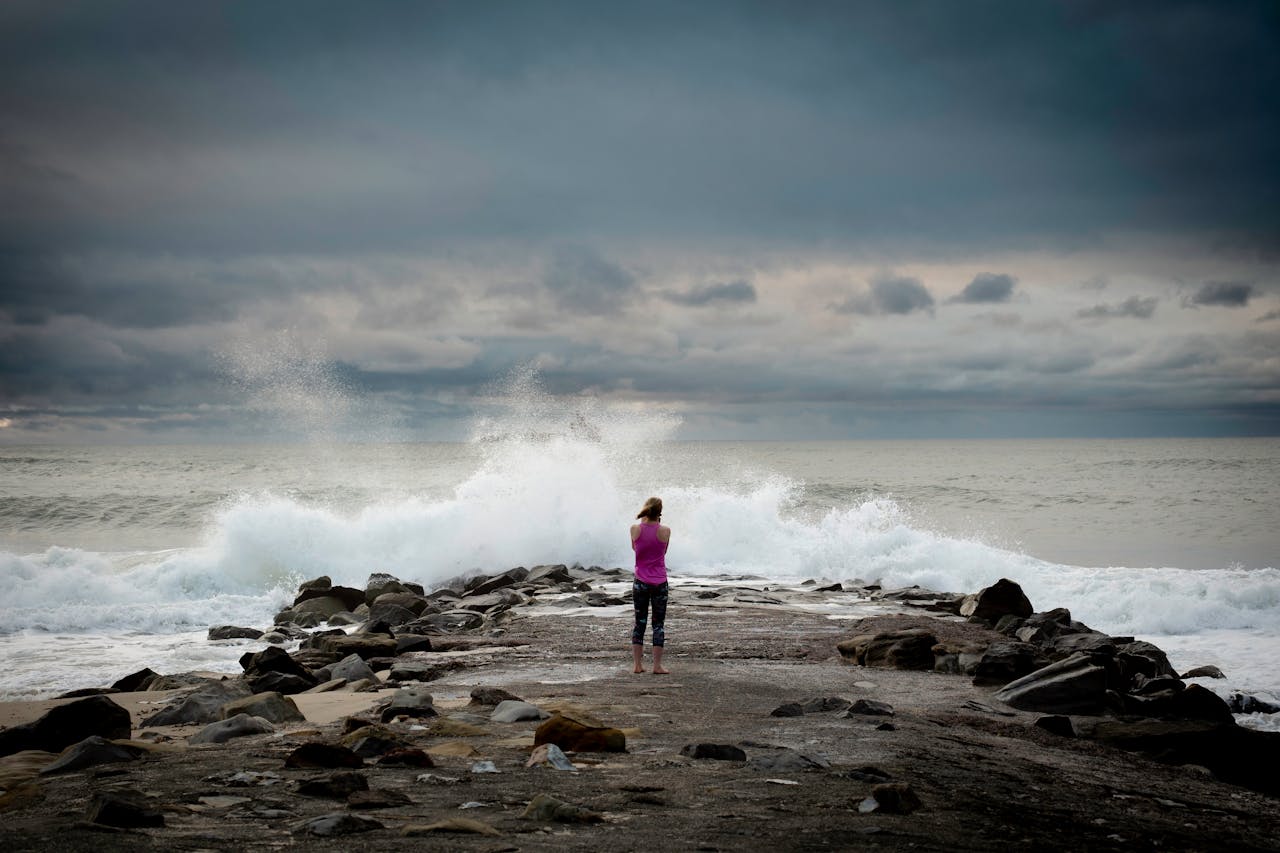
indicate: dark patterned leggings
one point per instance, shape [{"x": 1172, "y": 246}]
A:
[{"x": 642, "y": 595}]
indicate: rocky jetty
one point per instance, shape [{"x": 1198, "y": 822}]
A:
[{"x": 499, "y": 712}]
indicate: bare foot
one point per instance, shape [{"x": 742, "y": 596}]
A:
[
  {"x": 657, "y": 670},
  {"x": 641, "y": 669}
]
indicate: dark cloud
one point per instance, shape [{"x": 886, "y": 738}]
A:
[
  {"x": 732, "y": 292},
  {"x": 584, "y": 282},
  {"x": 1269, "y": 316},
  {"x": 1229, "y": 294},
  {"x": 1142, "y": 307},
  {"x": 988, "y": 287}
]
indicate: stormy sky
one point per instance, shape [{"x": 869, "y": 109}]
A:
[{"x": 813, "y": 220}]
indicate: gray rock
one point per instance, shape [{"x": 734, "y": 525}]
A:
[
  {"x": 337, "y": 786},
  {"x": 454, "y": 620},
  {"x": 1243, "y": 703},
  {"x": 406, "y": 643},
  {"x": 90, "y": 752},
  {"x": 233, "y": 632},
  {"x": 514, "y": 710},
  {"x": 409, "y": 702},
  {"x": 491, "y": 696},
  {"x": 507, "y": 578},
  {"x": 391, "y": 613},
  {"x": 548, "y": 575},
  {"x": 125, "y": 809},
  {"x": 280, "y": 682},
  {"x": 1004, "y": 597},
  {"x": 790, "y": 709},
  {"x": 870, "y": 708},
  {"x": 714, "y": 751},
  {"x": 352, "y": 668},
  {"x": 825, "y": 704},
  {"x": 547, "y": 808},
  {"x": 63, "y": 725},
  {"x": 323, "y": 606},
  {"x": 1075, "y": 685},
  {"x": 349, "y": 598},
  {"x": 135, "y": 681},
  {"x": 322, "y": 582},
  {"x": 907, "y": 649},
  {"x": 380, "y": 583},
  {"x": 338, "y": 823},
  {"x": 787, "y": 761},
  {"x": 1209, "y": 671},
  {"x": 272, "y": 707},
  {"x": 241, "y": 725},
  {"x": 1005, "y": 661}
]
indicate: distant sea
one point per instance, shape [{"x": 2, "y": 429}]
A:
[{"x": 114, "y": 558}]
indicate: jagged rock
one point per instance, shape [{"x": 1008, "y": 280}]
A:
[
  {"x": 454, "y": 620},
  {"x": 1143, "y": 686},
  {"x": 280, "y": 682},
  {"x": 911, "y": 648},
  {"x": 273, "y": 659},
  {"x": 321, "y": 607},
  {"x": 482, "y": 586},
  {"x": 548, "y": 575},
  {"x": 338, "y": 823},
  {"x": 714, "y": 751},
  {"x": 1056, "y": 724},
  {"x": 1192, "y": 703},
  {"x": 1209, "y": 671},
  {"x": 234, "y": 632},
  {"x": 272, "y": 707},
  {"x": 241, "y": 725},
  {"x": 136, "y": 681},
  {"x": 351, "y": 668},
  {"x": 316, "y": 754},
  {"x": 322, "y": 582},
  {"x": 90, "y": 752},
  {"x": 1075, "y": 685},
  {"x": 380, "y": 583},
  {"x": 550, "y": 755},
  {"x": 1006, "y": 660},
  {"x": 870, "y": 708},
  {"x": 376, "y": 746},
  {"x": 416, "y": 604},
  {"x": 514, "y": 710},
  {"x": 1065, "y": 645},
  {"x": 390, "y": 614},
  {"x": 1001, "y": 598},
  {"x": 63, "y": 725},
  {"x": 1143, "y": 658},
  {"x": 337, "y": 786},
  {"x": 406, "y": 643},
  {"x": 545, "y": 808},
  {"x": 125, "y": 809},
  {"x": 1007, "y": 624},
  {"x": 1243, "y": 703},
  {"x": 452, "y": 824},
  {"x": 199, "y": 707},
  {"x": 345, "y": 617},
  {"x": 409, "y": 702},
  {"x": 573, "y": 735},
  {"x": 492, "y": 696},
  {"x": 958, "y": 658}
]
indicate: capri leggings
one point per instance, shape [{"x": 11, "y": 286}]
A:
[{"x": 642, "y": 595}]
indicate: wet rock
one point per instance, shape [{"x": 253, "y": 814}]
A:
[
  {"x": 547, "y": 808},
  {"x": 1209, "y": 671},
  {"x": 409, "y": 702},
  {"x": 346, "y": 597},
  {"x": 453, "y": 824},
  {"x": 417, "y": 670},
  {"x": 1065, "y": 645},
  {"x": 1056, "y": 724},
  {"x": 1075, "y": 685},
  {"x": 63, "y": 725},
  {"x": 891, "y": 798},
  {"x": 234, "y": 632},
  {"x": 126, "y": 809},
  {"x": 484, "y": 767},
  {"x": 573, "y": 735},
  {"x": 1143, "y": 686},
  {"x": 958, "y": 658},
  {"x": 374, "y": 745},
  {"x": 272, "y": 707},
  {"x": 273, "y": 659},
  {"x": 338, "y": 823},
  {"x": 365, "y": 645},
  {"x": 1007, "y": 624},
  {"x": 790, "y": 709},
  {"x": 316, "y": 754},
  {"x": 514, "y": 711},
  {"x": 1193, "y": 703},
  {"x": 869, "y": 708},
  {"x": 548, "y": 575},
  {"x": 492, "y": 696},
  {"x": 482, "y": 586},
  {"x": 1004, "y": 597},
  {"x": 241, "y": 725},
  {"x": 415, "y": 604},
  {"x": 90, "y": 752},
  {"x": 380, "y": 583},
  {"x": 380, "y": 798},
  {"x": 282, "y": 683},
  {"x": 322, "y": 607},
  {"x": 454, "y": 620},
  {"x": 87, "y": 691},
  {"x": 825, "y": 704},
  {"x": 714, "y": 751},
  {"x": 1143, "y": 658},
  {"x": 336, "y": 786},
  {"x": 911, "y": 648},
  {"x": 405, "y": 757},
  {"x": 322, "y": 582},
  {"x": 1243, "y": 703},
  {"x": 1005, "y": 661},
  {"x": 412, "y": 643},
  {"x": 391, "y": 614},
  {"x": 136, "y": 681}
]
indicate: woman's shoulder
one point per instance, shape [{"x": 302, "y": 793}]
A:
[{"x": 664, "y": 532}]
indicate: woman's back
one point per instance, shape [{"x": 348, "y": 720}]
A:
[{"x": 650, "y": 545}]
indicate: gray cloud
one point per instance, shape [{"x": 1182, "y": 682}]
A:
[
  {"x": 987, "y": 287},
  {"x": 1269, "y": 316},
  {"x": 732, "y": 292},
  {"x": 898, "y": 294},
  {"x": 1141, "y": 307},
  {"x": 1229, "y": 294},
  {"x": 584, "y": 282}
]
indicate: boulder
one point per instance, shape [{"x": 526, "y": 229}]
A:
[
  {"x": 336, "y": 786},
  {"x": 1065, "y": 645},
  {"x": 573, "y": 735},
  {"x": 135, "y": 681},
  {"x": 548, "y": 575},
  {"x": 63, "y": 725},
  {"x": 544, "y": 807},
  {"x": 233, "y": 632},
  {"x": 338, "y": 823},
  {"x": 322, "y": 606},
  {"x": 1056, "y": 724},
  {"x": 1192, "y": 703},
  {"x": 241, "y": 725},
  {"x": 322, "y": 582},
  {"x": 317, "y": 754},
  {"x": 482, "y": 586},
  {"x": 1006, "y": 660},
  {"x": 1209, "y": 671},
  {"x": 273, "y": 659},
  {"x": 365, "y": 645},
  {"x": 910, "y": 648},
  {"x": 1004, "y": 597},
  {"x": 1075, "y": 685},
  {"x": 451, "y": 621},
  {"x": 1143, "y": 658},
  {"x": 351, "y": 668},
  {"x": 891, "y": 798},
  {"x": 870, "y": 708},
  {"x": 1243, "y": 703},
  {"x": 409, "y": 702},
  {"x": 91, "y": 752},
  {"x": 391, "y": 614},
  {"x": 406, "y": 643},
  {"x": 124, "y": 809},
  {"x": 347, "y": 598},
  {"x": 824, "y": 704},
  {"x": 407, "y": 600},
  {"x": 491, "y": 696},
  {"x": 380, "y": 583},
  {"x": 199, "y": 707},
  {"x": 279, "y": 682},
  {"x": 514, "y": 711},
  {"x": 272, "y": 707}
]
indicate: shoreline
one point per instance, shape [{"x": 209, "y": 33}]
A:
[{"x": 983, "y": 772}]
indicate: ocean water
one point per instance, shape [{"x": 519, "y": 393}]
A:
[{"x": 114, "y": 558}]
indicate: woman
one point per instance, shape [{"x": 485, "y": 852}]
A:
[{"x": 649, "y": 540}]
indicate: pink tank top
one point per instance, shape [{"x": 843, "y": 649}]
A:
[{"x": 651, "y": 552}]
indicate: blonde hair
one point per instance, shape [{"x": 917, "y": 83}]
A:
[{"x": 652, "y": 509}]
